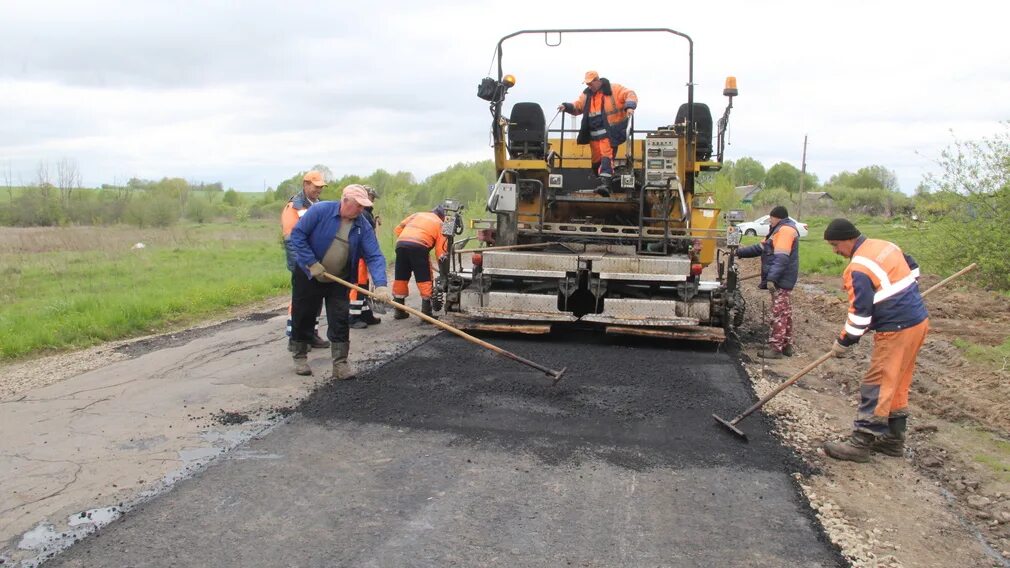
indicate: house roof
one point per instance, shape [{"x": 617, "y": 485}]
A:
[{"x": 746, "y": 193}]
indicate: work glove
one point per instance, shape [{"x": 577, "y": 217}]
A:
[
  {"x": 382, "y": 294},
  {"x": 630, "y": 111},
  {"x": 317, "y": 270},
  {"x": 840, "y": 351},
  {"x": 561, "y": 107}
]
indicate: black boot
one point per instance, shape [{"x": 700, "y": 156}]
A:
[
  {"x": 356, "y": 322},
  {"x": 893, "y": 443},
  {"x": 603, "y": 189},
  {"x": 400, "y": 314},
  {"x": 426, "y": 307},
  {"x": 369, "y": 318},
  {"x": 319, "y": 342},
  {"x": 857, "y": 448}
]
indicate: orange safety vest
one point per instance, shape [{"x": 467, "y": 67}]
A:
[
  {"x": 888, "y": 270},
  {"x": 424, "y": 229}
]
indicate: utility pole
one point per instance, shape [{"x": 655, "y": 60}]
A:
[{"x": 803, "y": 175}]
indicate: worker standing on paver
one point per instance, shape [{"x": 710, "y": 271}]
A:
[
  {"x": 780, "y": 267},
  {"x": 330, "y": 238},
  {"x": 416, "y": 236},
  {"x": 313, "y": 185},
  {"x": 882, "y": 285}
]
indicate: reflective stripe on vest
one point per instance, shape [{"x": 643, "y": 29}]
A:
[{"x": 886, "y": 288}]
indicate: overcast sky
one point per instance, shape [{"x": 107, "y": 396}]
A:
[{"x": 250, "y": 92}]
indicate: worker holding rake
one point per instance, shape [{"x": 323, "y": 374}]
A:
[{"x": 882, "y": 285}]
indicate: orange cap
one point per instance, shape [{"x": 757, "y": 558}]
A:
[
  {"x": 315, "y": 177},
  {"x": 591, "y": 76},
  {"x": 357, "y": 193}
]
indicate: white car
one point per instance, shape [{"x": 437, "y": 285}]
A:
[{"x": 759, "y": 227}]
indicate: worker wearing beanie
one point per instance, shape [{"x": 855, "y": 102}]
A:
[
  {"x": 882, "y": 284},
  {"x": 780, "y": 267}
]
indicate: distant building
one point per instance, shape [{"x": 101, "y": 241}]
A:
[
  {"x": 819, "y": 197},
  {"x": 746, "y": 193}
]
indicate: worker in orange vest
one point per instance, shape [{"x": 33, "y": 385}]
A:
[
  {"x": 313, "y": 185},
  {"x": 606, "y": 109},
  {"x": 416, "y": 236},
  {"x": 882, "y": 284}
]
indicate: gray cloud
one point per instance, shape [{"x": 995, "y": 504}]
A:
[{"x": 249, "y": 91}]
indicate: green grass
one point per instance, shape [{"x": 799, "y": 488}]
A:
[
  {"x": 994, "y": 453},
  {"x": 983, "y": 353},
  {"x": 57, "y": 300}
]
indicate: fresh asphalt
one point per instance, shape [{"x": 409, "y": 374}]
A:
[{"x": 450, "y": 455}]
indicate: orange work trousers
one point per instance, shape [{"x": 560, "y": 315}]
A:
[{"x": 883, "y": 393}]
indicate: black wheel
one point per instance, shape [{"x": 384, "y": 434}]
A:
[{"x": 750, "y": 233}]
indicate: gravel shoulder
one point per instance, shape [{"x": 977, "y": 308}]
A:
[{"x": 947, "y": 501}]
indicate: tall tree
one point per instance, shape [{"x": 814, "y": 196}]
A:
[
  {"x": 784, "y": 175},
  {"x": 748, "y": 171}
]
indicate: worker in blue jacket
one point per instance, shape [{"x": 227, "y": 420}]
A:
[
  {"x": 780, "y": 267},
  {"x": 330, "y": 238}
]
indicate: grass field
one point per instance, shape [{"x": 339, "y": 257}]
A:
[
  {"x": 77, "y": 286},
  {"x": 816, "y": 257}
]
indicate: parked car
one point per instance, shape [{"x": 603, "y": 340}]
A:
[{"x": 759, "y": 227}]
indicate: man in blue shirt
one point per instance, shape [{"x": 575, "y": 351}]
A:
[{"x": 330, "y": 238}]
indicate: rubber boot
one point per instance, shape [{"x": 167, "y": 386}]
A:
[
  {"x": 341, "y": 368},
  {"x": 857, "y": 448},
  {"x": 426, "y": 307},
  {"x": 369, "y": 318},
  {"x": 893, "y": 443},
  {"x": 319, "y": 342},
  {"x": 356, "y": 322},
  {"x": 603, "y": 189},
  {"x": 788, "y": 350},
  {"x": 400, "y": 314},
  {"x": 301, "y": 358}
]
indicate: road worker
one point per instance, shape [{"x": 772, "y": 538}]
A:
[
  {"x": 330, "y": 238},
  {"x": 361, "y": 311},
  {"x": 606, "y": 109},
  {"x": 416, "y": 236},
  {"x": 780, "y": 266},
  {"x": 881, "y": 282},
  {"x": 313, "y": 185}
]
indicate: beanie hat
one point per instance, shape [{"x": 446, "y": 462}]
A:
[
  {"x": 440, "y": 211},
  {"x": 840, "y": 230},
  {"x": 779, "y": 211}
]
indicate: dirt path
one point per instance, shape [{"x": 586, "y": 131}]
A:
[
  {"x": 88, "y": 434},
  {"x": 947, "y": 502}
]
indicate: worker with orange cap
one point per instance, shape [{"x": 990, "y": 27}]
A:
[{"x": 606, "y": 109}]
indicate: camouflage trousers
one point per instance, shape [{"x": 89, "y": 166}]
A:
[{"x": 782, "y": 320}]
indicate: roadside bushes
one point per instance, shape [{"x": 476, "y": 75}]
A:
[{"x": 971, "y": 214}]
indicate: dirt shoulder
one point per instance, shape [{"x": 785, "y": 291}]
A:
[{"x": 947, "y": 501}]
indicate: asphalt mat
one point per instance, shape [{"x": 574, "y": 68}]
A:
[
  {"x": 636, "y": 404},
  {"x": 451, "y": 455}
]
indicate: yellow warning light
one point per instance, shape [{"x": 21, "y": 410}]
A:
[
  {"x": 509, "y": 81},
  {"x": 730, "y": 89}
]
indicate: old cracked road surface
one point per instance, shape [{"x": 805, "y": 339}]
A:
[{"x": 453, "y": 456}]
